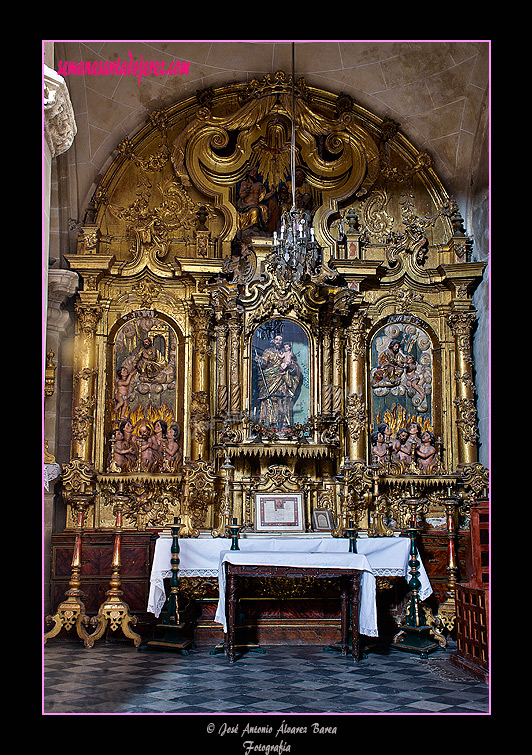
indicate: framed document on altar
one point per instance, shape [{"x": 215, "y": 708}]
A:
[{"x": 279, "y": 512}]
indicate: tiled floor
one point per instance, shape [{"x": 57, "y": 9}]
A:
[{"x": 116, "y": 678}]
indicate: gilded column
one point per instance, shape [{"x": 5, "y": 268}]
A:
[
  {"x": 356, "y": 408},
  {"x": 88, "y": 314},
  {"x": 88, "y": 309},
  {"x": 200, "y": 414},
  {"x": 235, "y": 359},
  {"x": 326, "y": 370},
  {"x": 338, "y": 342},
  {"x": 466, "y": 414},
  {"x": 220, "y": 331}
]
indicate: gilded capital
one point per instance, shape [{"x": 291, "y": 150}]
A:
[
  {"x": 462, "y": 326},
  {"x": 88, "y": 316},
  {"x": 356, "y": 336}
]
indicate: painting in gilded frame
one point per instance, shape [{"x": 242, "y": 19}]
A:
[
  {"x": 280, "y": 380},
  {"x": 145, "y": 432},
  {"x": 402, "y": 376}
]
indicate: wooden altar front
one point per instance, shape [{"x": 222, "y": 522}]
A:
[{"x": 349, "y": 589}]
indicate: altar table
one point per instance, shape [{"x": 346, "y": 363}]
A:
[
  {"x": 200, "y": 557},
  {"x": 350, "y": 568}
]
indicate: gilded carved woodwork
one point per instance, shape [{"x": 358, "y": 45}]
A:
[{"x": 206, "y": 370}]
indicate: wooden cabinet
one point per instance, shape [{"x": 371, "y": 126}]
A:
[
  {"x": 479, "y": 546},
  {"x": 472, "y": 599},
  {"x": 97, "y": 552}
]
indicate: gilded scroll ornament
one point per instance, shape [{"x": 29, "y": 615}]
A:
[
  {"x": 462, "y": 325},
  {"x": 467, "y": 419},
  {"x": 82, "y": 418},
  {"x": 200, "y": 415},
  {"x": 377, "y": 222},
  {"x": 333, "y": 155},
  {"x": 88, "y": 316},
  {"x": 78, "y": 477},
  {"x": 200, "y": 492},
  {"x": 355, "y": 415},
  {"x": 475, "y": 478},
  {"x": 49, "y": 374}
]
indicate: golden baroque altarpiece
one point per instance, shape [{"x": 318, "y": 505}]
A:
[{"x": 208, "y": 368}]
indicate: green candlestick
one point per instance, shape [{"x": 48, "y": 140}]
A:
[
  {"x": 352, "y": 535},
  {"x": 172, "y": 627},
  {"x": 234, "y": 529}
]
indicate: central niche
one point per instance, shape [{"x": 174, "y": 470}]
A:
[{"x": 280, "y": 376}]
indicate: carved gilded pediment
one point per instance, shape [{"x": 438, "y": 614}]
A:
[{"x": 214, "y": 152}]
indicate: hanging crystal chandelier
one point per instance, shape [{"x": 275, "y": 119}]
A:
[{"x": 295, "y": 250}]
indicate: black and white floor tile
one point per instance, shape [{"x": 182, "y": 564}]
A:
[{"x": 116, "y": 678}]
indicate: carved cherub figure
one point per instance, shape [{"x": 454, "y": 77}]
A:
[{"x": 122, "y": 391}]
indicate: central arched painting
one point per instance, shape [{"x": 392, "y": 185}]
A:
[{"x": 280, "y": 385}]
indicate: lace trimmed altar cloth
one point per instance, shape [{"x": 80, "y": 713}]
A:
[
  {"x": 200, "y": 557},
  {"x": 309, "y": 560}
]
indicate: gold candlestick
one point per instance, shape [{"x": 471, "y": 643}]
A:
[
  {"x": 71, "y": 612},
  {"x": 114, "y": 611}
]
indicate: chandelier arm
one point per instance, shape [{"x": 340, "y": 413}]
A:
[{"x": 293, "y": 135}]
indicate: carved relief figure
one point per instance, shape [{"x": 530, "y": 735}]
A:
[
  {"x": 145, "y": 364},
  {"x": 401, "y": 370},
  {"x": 173, "y": 454},
  {"x": 426, "y": 452},
  {"x": 127, "y": 445},
  {"x": 409, "y": 444},
  {"x": 414, "y": 433},
  {"x": 147, "y": 447},
  {"x": 303, "y": 193},
  {"x": 379, "y": 448},
  {"x": 123, "y": 452},
  {"x": 149, "y": 361},
  {"x": 253, "y": 212},
  {"x": 280, "y": 375},
  {"x": 122, "y": 392},
  {"x": 404, "y": 452},
  {"x": 391, "y": 361}
]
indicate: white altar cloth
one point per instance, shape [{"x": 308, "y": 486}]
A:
[
  {"x": 368, "y": 608},
  {"x": 200, "y": 557}
]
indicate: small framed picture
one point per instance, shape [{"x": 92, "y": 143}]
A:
[
  {"x": 279, "y": 512},
  {"x": 322, "y": 520}
]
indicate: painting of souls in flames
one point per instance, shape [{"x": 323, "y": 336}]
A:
[
  {"x": 145, "y": 366},
  {"x": 145, "y": 434},
  {"x": 401, "y": 376}
]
